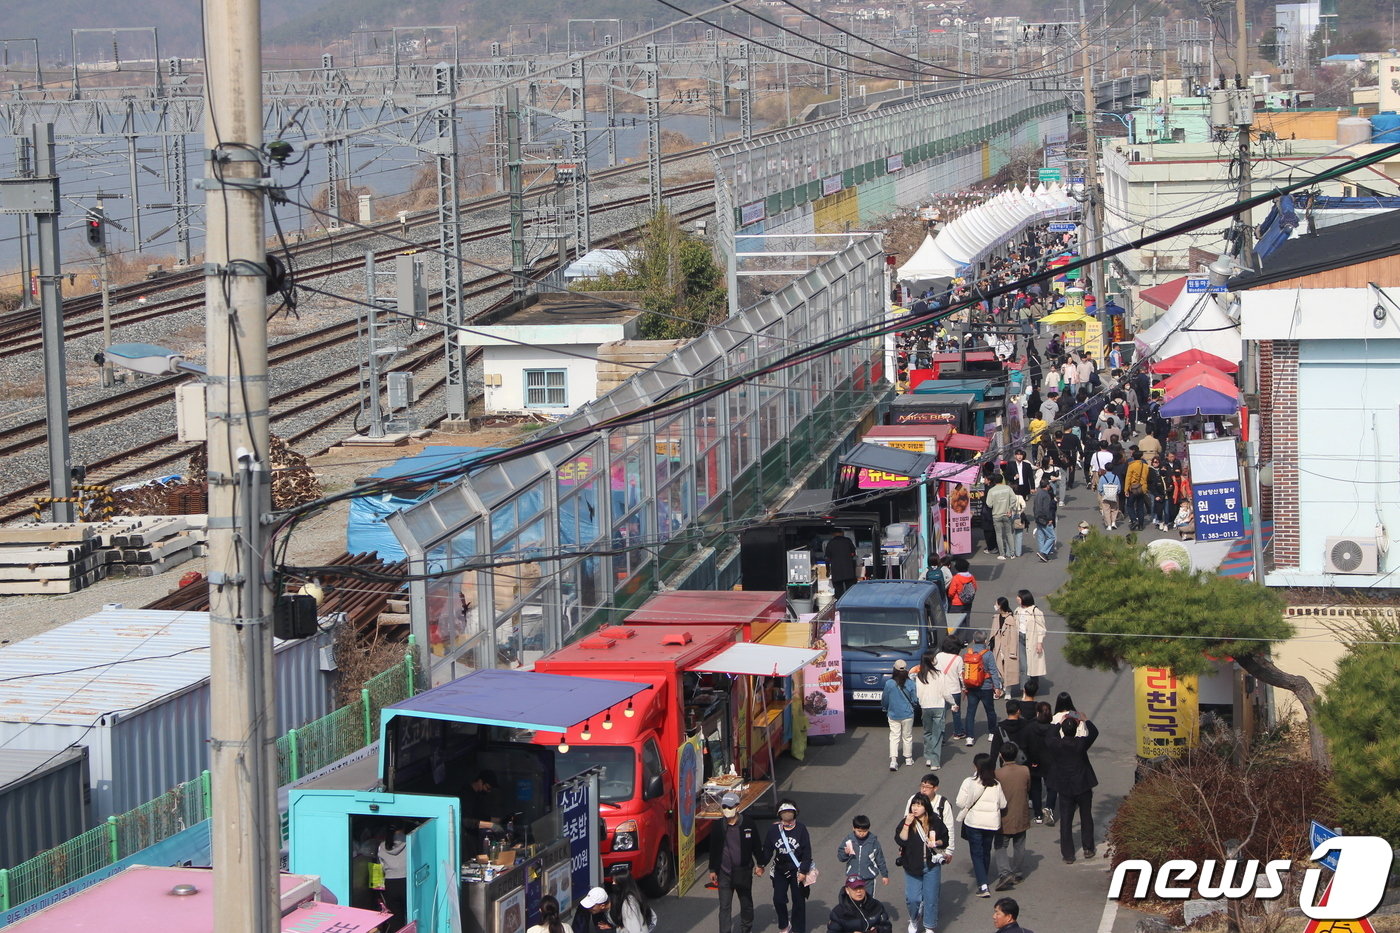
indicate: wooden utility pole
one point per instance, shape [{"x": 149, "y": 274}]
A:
[
  {"x": 1090, "y": 243},
  {"x": 242, "y": 754}
]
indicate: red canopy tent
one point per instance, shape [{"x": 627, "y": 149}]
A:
[
  {"x": 1197, "y": 374},
  {"x": 1180, "y": 361}
]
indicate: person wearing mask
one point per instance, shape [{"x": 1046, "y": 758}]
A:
[
  {"x": 1072, "y": 775},
  {"x": 393, "y": 856},
  {"x": 857, "y": 910},
  {"x": 1009, "y": 846},
  {"x": 1159, "y": 492},
  {"x": 840, "y": 556},
  {"x": 592, "y": 914},
  {"x": 549, "y": 917},
  {"x": 898, "y": 702},
  {"x": 980, "y": 802},
  {"x": 736, "y": 856},
  {"x": 790, "y": 846},
  {"x": 628, "y": 907},
  {"x": 922, "y": 836},
  {"x": 1006, "y": 642},
  {"x": 1006, "y": 915}
]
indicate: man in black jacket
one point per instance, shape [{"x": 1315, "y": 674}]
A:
[
  {"x": 736, "y": 855},
  {"x": 857, "y": 910},
  {"x": 1072, "y": 776},
  {"x": 1006, "y": 917}
]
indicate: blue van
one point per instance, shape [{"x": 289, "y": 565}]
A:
[{"x": 883, "y": 621}]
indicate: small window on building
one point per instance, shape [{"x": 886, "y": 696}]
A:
[{"x": 544, "y": 388}]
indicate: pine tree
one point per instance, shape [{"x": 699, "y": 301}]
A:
[{"x": 1121, "y": 609}]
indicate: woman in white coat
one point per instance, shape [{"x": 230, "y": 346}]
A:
[
  {"x": 1031, "y": 621},
  {"x": 980, "y": 802}
]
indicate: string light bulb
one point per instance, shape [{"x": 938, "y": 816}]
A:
[
  {"x": 629, "y": 712},
  {"x": 607, "y": 720},
  {"x": 563, "y": 748},
  {"x": 587, "y": 732}
]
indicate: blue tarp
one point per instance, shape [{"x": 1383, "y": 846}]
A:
[{"x": 365, "y": 530}]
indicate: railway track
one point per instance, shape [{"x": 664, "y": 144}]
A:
[
  {"x": 16, "y": 340},
  {"x": 337, "y": 393}
]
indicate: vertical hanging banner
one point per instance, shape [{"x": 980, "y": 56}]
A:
[
  {"x": 824, "y": 701},
  {"x": 1215, "y": 488},
  {"x": 574, "y": 799},
  {"x": 688, "y": 771},
  {"x": 959, "y": 518},
  {"x": 1168, "y": 711}
]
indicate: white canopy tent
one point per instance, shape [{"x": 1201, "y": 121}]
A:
[
  {"x": 974, "y": 234},
  {"x": 1195, "y": 321},
  {"x": 928, "y": 264}
]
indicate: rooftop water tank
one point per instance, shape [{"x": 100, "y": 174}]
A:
[
  {"x": 1385, "y": 127},
  {"x": 1353, "y": 130}
]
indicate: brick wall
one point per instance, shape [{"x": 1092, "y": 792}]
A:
[{"x": 1278, "y": 397}]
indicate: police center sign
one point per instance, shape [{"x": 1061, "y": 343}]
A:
[{"x": 1216, "y": 490}]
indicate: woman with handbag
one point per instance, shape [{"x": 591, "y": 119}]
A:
[
  {"x": 793, "y": 871},
  {"x": 922, "y": 838},
  {"x": 982, "y": 801}
]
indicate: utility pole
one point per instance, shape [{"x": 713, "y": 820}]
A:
[
  {"x": 45, "y": 188},
  {"x": 515, "y": 184},
  {"x": 376, "y": 411},
  {"x": 651, "y": 94},
  {"x": 1090, "y": 244},
  {"x": 449, "y": 209},
  {"x": 1245, "y": 121},
  {"x": 105, "y": 281},
  {"x": 26, "y": 264},
  {"x": 242, "y": 753}
]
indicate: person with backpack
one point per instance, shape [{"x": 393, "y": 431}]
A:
[
  {"x": 1135, "y": 491},
  {"x": 898, "y": 703},
  {"x": 1009, "y": 846},
  {"x": 962, "y": 590},
  {"x": 981, "y": 684}
]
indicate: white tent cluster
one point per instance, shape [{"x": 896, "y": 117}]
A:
[
  {"x": 1193, "y": 322},
  {"x": 976, "y": 233}
]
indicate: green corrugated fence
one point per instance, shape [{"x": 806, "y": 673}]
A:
[{"x": 299, "y": 752}]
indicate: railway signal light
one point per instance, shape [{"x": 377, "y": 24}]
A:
[{"x": 96, "y": 228}]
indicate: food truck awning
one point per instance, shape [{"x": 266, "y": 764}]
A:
[
  {"x": 888, "y": 459},
  {"x": 519, "y": 699},
  {"x": 759, "y": 660}
]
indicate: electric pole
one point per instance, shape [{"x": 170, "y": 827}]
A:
[
  {"x": 1245, "y": 119},
  {"x": 97, "y": 236},
  {"x": 45, "y": 188},
  {"x": 242, "y": 755}
]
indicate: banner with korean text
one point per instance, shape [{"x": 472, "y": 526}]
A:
[
  {"x": 689, "y": 769},
  {"x": 824, "y": 701},
  {"x": 1168, "y": 711},
  {"x": 1216, "y": 491}
]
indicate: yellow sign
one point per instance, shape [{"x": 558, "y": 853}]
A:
[
  {"x": 1093, "y": 338},
  {"x": 1340, "y": 926},
  {"x": 690, "y": 769},
  {"x": 1168, "y": 712}
]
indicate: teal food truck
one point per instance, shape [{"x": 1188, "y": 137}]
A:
[{"x": 479, "y": 853}]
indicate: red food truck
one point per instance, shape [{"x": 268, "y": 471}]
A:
[{"x": 714, "y": 716}]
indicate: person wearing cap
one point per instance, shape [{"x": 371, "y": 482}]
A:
[
  {"x": 736, "y": 855},
  {"x": 898, "y": 703},
  {"x": 1080, "y": 534},
  {"x": 857, "y": 910},
  {"x": 789, "y": 844},
  {"x": 591, "y": 915}
]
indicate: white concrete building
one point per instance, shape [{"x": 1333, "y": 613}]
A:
[
  {"x": 543, "y": 358},
  {"x": 1324, "y": 313}
]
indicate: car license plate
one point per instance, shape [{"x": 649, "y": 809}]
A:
[{"x": 866, "y": 694}]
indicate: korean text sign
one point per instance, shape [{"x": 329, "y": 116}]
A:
[{"x": 1168, "y": 711}]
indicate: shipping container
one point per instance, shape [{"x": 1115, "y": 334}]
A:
[
  {"x": 132, "y": 686},
  {"x": 43, "y": 800}
]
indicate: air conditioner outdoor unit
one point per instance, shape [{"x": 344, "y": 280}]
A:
[{"x": 1351, "y": 555}]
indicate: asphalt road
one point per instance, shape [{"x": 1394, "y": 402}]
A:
[{"x": 835, "y": 782}]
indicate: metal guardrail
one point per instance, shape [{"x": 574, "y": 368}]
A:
[{"x": 300, "y": 752}]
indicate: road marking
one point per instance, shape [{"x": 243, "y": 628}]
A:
[{"x": 1110, "y": 914}]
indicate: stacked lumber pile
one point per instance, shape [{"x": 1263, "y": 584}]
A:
[
  {"x": 43, "y": 558},
  {"x": 147, "y": 545}
]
